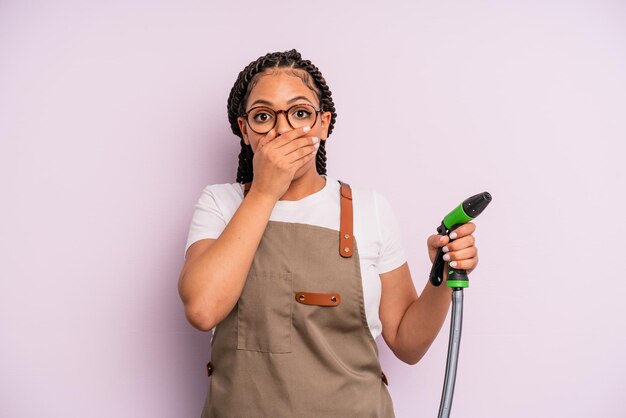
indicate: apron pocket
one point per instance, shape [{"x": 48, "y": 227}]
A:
[{"x": 264, "y": 313}]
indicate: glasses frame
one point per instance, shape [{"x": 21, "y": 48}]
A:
[{"x": 278, "y": 112}]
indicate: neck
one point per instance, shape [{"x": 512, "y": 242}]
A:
[{"x": 307, "y": 184}]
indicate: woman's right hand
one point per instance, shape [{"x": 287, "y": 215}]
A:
[{"x": 277, "y": 159}]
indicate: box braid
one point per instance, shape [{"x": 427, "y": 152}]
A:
[{"x": 246, "y": 81}]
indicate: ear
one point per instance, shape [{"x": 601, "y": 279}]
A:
[
  {"x": 243, "y": 128},
  {"x": 326, "y": 116}
]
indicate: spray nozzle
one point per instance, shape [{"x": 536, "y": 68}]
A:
[{"x": 469, "y": 209}]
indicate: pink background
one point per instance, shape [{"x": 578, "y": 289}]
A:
[{"x": 113, "y": 119}]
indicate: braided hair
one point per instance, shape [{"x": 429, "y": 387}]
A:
[{"x": 248, "y": 78}]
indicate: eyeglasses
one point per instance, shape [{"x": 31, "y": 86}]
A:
[{"x": 262, "y": 119}]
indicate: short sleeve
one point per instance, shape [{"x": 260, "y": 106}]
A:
[
  {"x": 392, "y": 254},
  {"x": 207, "y": 220}
]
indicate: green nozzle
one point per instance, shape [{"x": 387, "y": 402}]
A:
[
  {"x": 468, "y": 210},
  {"x": 462, "y": 214}
]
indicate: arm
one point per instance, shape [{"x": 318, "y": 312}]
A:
[
  {"x": 411, "y": 322},
  {"x": 215, "y": 270}
]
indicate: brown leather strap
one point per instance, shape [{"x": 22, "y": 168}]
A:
[
  {"x": 346, "y": 239},
  {"x": 319, "y": 299}
]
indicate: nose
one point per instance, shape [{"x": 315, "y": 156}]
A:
[{"x": 282, "y": 125}]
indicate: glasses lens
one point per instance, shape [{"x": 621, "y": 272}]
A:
[
  {"x": 302, "y": 115},
  {"x": 261, "y": 119}
]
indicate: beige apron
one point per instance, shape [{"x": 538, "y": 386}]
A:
[{"x": 297, "y": 343}]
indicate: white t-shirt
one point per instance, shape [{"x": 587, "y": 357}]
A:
[{"x": 375, "y": 228}]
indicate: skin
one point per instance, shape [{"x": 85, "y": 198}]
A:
[{"x": 215, "y": 270}]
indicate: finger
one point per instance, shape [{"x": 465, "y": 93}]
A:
[
  {"x": 301, "y": 153},
  {"x": 463, "y": 254},
  {"x": 267, "y": 138},
  {"x": 309, "y": 142},
  {"x": 304, "y": 159},
  {"x": 469, "y": 270},
  {"x": 289, "y": 136},
  {"x": 436, "y": 240},
  {"x": 468, "y": 264},
  {"x": 460, "y": 243},
  {"x": 463, "y": 230}
]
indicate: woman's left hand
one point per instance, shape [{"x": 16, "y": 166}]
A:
[{"x": 462, "y": 250}]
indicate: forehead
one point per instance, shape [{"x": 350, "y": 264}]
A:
[{"x": 280, "y": 85}]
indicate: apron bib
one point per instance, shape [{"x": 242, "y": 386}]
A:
[{"x": 297, "y": 343}]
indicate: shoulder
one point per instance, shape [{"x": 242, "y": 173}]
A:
[
  {"x": 367, "y": 197},
  {"x": 223, "y": 191},
  {"x": 373, "y": 211},
  {"x": 370, "y": 207},
  {"x": 224, "y": 198}
]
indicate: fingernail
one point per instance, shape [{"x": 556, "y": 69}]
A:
[
  {"x": 306, "y": 129},
  {"x": 445, "y": 249},
  {"x": 316, "y": 145},
  {"x": 315, "y": 139},
  {"x": 442, "y": 238},
  {"x": 446, "y": 257},
  {"x": 453, "y": 235},
  {"x": 452, "y": 263}
]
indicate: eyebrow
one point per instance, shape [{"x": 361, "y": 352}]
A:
[{"x": 265, "y": 102}]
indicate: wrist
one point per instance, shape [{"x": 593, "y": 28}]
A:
[{"x": 261, "y": 198}]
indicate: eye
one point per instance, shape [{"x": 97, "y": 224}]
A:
[
  {"x": 302, "y": 112},
  {"x": 261, "y": 116}
]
